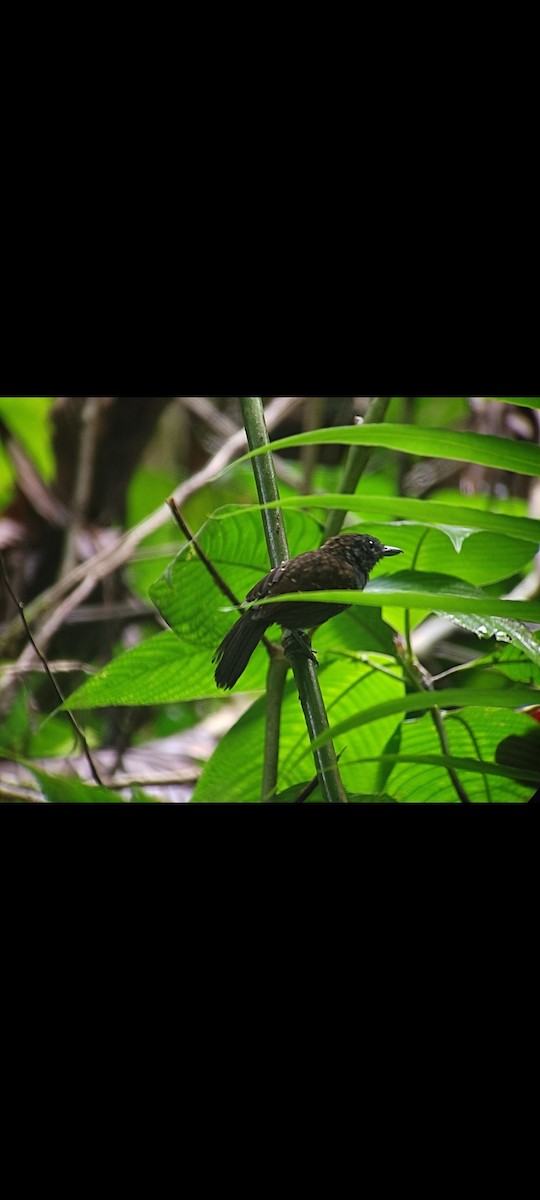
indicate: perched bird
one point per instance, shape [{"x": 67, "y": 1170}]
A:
[{"x": 343, "y": 562}]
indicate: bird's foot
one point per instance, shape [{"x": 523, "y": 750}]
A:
[{"x": 296, "y": 642}]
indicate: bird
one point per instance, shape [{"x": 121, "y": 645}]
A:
[{"x": 343, "y": 561}]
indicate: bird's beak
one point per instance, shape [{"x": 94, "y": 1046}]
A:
[{"x": 389, "y": 550}]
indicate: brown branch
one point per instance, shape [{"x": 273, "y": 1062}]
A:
[
  {"x": 218, "y": 579},
  {"x": 78, "y": 731}
]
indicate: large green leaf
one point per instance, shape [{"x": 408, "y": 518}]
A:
[
  {"x": 468, "y": 555},
  {"x": 164, "y": 669},
  {"x": 425, "y": 512},
  {"x": 193, "y": 605},
  {"x": 145, "y": 492},
  {"x": 188, "y": 598},
  {"x": 168, "y": 668},
  {"x": 420, "y": 589},
  {"x": 508, "y": 662},
  {"x": 474, "y": 735},
  {"x": 502, "y": 630},
  {"x": 294, "y": 795},
  {"x": 358, "y": 629},
  {"x": 483, "y": 448},
  {"x": 235, "y": 770},
  {"x": 508, "y": 698}
]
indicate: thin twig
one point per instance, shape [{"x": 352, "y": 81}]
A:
[
  {"x": 218, "y": 579},
  {"x": 49, "y": 627},
  {"x": 438, "y": 722},
  {"x": 59, "y": 665},
  {"x": 48, "y": 671}
]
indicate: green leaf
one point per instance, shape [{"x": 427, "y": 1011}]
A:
[
  {"x": 27, "y": 418},
  {"x": 145, "y": 493},
  {"x": 525, "y": 401},
  {"x": 235, "y": 770},
  {"x": 501, "y": 629},
  {"x": 7, "y": 478},
  {"x": 512, "y": 665},
  {"x": 19, "y": 735},
  {"x": 192, "y": 604},
  {"x": 15, "y": 727},
  {"x": 483, "y": 448},
  {"x": 474, "y": 736},
  {"x": 164, "y": 669},
  {"x": 512, "y": 698},
  {"x": 424, "y": 512},
  {"x": 58, "y": 789},
  {"x": 434, "y": 411},
  {"x": 291, "y": 796},
  {"x": 420, "y": 589},
  {"x": 478, "y": 557},
  {"x": 353, "y": 631},
  {"x": 188, "y": 598}
]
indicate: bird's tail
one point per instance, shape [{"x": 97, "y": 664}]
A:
[{"x": 235, "y": 651}]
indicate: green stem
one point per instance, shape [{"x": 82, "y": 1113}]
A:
[
  {"x": 421, "y": 682},
  {"x": 277, "y": 674},
  {"x": 438, "y": 722},
  {"x": 355, "y": 464},
  {"x": 265, "y": 479},
  {"x": 303, "y": 668}
]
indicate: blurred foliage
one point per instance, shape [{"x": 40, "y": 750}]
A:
[{"x": 28, "y": 420}]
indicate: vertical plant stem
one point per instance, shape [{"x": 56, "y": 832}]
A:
[
  {"x": 309, "y": 455},
  {"x": 303, "y": 668},
  {"x": 265, "y": 479},
  {"x": 422, "y": 682},
  {"x": 355, "y": 465},
  {"x": 277, "y": 674},
  {"x": 78, "y": 731}
]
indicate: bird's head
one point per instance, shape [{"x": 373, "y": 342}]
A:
[{"x": 360, "y": 549}]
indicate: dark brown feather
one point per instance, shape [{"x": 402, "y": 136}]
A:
[{"x": 343, "y": 562}]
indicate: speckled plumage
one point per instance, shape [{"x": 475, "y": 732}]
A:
[{"x": 343, "y": 562}]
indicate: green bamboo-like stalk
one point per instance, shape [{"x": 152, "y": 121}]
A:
[
  {"x": 355, "y": 464},
  {"x": 277, "y": 675},
  {"x": 303, "y": 668}
]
